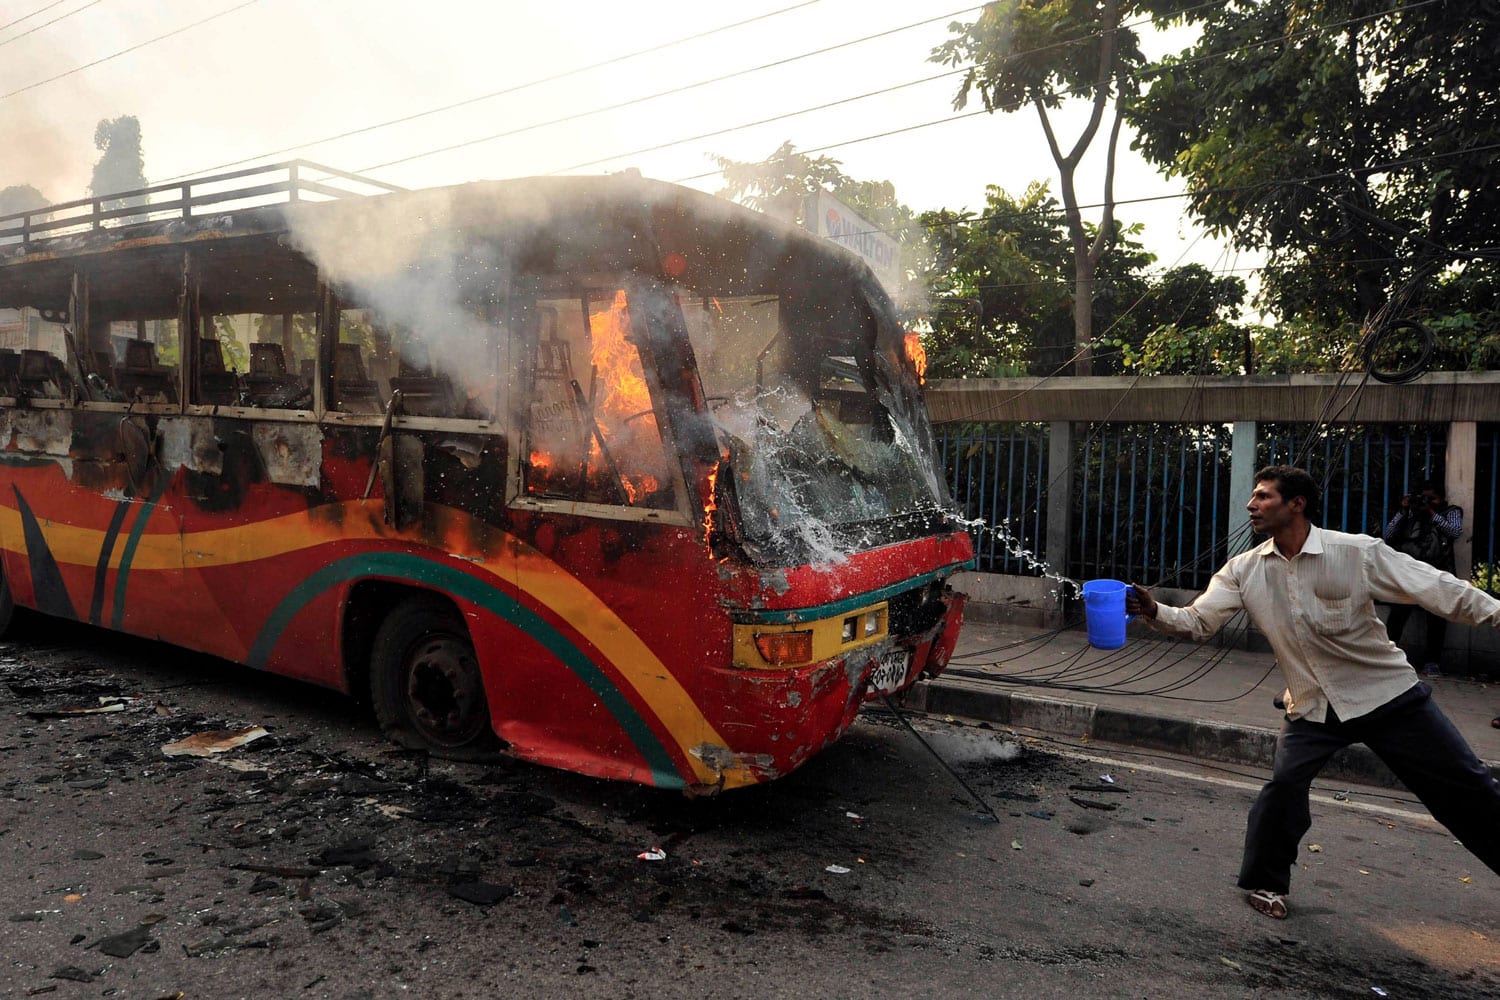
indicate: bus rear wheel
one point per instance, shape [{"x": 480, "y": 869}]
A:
[{"x": 425, "y": 684}]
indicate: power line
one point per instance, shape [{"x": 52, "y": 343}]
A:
[
  {"x": 506, "y": 90},
  {"x": 1069, "y": 92},
  {"x": 963, "y": 220},
  {"x": 666, "y": 93},
  {"x": 45, "y": 24},
  {"x": 133, "y": 48},
  {"x": 857, "y": 97},
  {"x": 763, "y": 121},
  {"x": 39, "y": 10}
]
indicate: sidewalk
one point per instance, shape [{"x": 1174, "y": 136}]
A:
[{"x": 1200, "y": 701}]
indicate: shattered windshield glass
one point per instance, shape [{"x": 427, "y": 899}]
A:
[{"x": 828, "y": 453}]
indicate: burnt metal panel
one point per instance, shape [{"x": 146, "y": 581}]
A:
[
  {"x": 291, "y": 454},
  {"x": 191, "y": 442}
]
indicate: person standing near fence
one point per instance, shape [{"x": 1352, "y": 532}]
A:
[
  {"x": 1425, "y": 528},
  {"x": 1312, "y": 592}
]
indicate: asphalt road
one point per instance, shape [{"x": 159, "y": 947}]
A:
[{"x": 320, "y": 862}]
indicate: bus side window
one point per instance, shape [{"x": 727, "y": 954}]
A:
[
  {"x": 130, "y": 353},
  {"x": 363, "y": 362},
  {"x": 258, "y": 328},
  {"x": 34, "y": 342},
  {"x": 591, "y": 426}
]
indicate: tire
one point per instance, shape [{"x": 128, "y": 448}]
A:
[{"x": 425, "y": 683}]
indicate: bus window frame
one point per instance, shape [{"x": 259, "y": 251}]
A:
[
  {"x": 494, "y": 316},
  {"x": 190, "y": 327},
  {"x": 527, "y": 290},
  {"x": 83, "y": 281}
]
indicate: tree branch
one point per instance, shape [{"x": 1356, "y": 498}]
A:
[
  {"x": 1106, "y": 234},
  {"x": 1107, "y": 45}
]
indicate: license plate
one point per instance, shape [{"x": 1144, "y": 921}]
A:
[{"x": 891, "y": 669}]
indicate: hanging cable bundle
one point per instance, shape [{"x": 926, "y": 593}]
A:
[{"x": 1412, "y": 344}]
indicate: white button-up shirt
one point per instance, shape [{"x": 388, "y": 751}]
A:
[{"x": 1317, "y": 609}]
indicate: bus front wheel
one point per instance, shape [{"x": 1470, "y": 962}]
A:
[{"x": 425, "y": 683}]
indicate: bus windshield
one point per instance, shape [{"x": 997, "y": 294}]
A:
[{"x": 827, "y": 453}]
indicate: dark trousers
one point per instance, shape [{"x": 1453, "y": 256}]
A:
[
  {"x": 1437, "y": 629},
  {"x": 1415, "y": 740}
]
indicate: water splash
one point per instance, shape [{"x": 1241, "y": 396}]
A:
[{"x": 1018, "y": 550}]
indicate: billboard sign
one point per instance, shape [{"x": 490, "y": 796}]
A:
[{"x": 832, "y": 219}]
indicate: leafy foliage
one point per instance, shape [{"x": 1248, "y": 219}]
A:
[
  {"x": 780, "y": 185},
  {"x": 123, "y": 165},
  {"x": 1354, "y": 140},
  {"x": 21, "y": 198},
  {"x": 1037, "y": 53}
]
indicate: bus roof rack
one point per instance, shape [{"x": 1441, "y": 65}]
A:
[{"x": 252, "y": 187}]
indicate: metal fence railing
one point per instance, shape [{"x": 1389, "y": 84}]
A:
[
  {"x": 1486, "y": 512},
  {"x": 1151, "y": 501},
  {"x": 998, "y": 476}
]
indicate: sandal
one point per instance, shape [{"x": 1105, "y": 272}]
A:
[{"x": 1272, "y": 904}]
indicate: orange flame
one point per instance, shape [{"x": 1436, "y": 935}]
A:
[
  {"x": 918, "y": 355},
  {"x": 710, "y": 505},
  {"x": 622, "y": 403}
]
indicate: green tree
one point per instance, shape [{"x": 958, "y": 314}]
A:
[
  {"x": 122, "y": 167},
  {"x": 21, "y": 198},
  {"x": 1037, "y": 53},
  {"x": 1185, "y": 324},
  {"x": 780, "y": 185},
  {"x": 1354, "y": 141},
  {"x": 992, "y": 280},
  {"x": 998, "y": 288}
]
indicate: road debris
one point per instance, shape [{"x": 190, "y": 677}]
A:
[
  {"x": 1091, "y": 804},
  {"x": 838, "y": 870},
  {"x": 214, "y": 741},
  {"x": 1315, "y": 848},
  {"x": 105, "y": 705},
  {"x": 1231, "y": 963},
  {"x": 654, "y": 854},
  {"x": 125, "y": 944},
  {"x": 481, "y": 893}
]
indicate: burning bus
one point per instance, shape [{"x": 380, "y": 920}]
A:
[{"x": 600, "y": 472}]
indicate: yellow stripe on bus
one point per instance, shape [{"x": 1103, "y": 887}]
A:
[
  {"x": 536, "y": 575},
  {"x": 577, "y": 605}
]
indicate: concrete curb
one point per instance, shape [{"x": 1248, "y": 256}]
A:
[{"x": 999, "y": 704}]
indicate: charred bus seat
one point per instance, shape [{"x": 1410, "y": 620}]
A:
[
  {"x": 424, "y": 394},
  {"x": 42, "y": 375},
  {"x": 216, "y": 385},
  {"x": 353, "y": 390},
  {"x": 10, "y": 372},
  {"x": 270, "y": 384},
  {"x": 142, "y": 378}
]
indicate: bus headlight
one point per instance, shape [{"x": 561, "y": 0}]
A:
[{"x": 785, "y": 648}]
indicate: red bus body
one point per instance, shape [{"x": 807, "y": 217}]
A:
[{"x": 618, "y": 642}]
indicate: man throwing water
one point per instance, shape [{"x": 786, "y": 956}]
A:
[{"x": 1312, "y": 592}]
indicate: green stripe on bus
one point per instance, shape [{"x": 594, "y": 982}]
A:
[
  {"x": 449, "y": 580},
  {"x": 794, "y": 616},
  {"x": 127, "y": 555}
]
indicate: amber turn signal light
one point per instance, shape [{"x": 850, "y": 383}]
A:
[{"x": 783, "y": 648}]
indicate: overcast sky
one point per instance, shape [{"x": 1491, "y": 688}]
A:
[{"x": 274, "y": 79}]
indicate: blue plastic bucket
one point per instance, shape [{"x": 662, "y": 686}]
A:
[{"x": 1104, "y": 610}]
